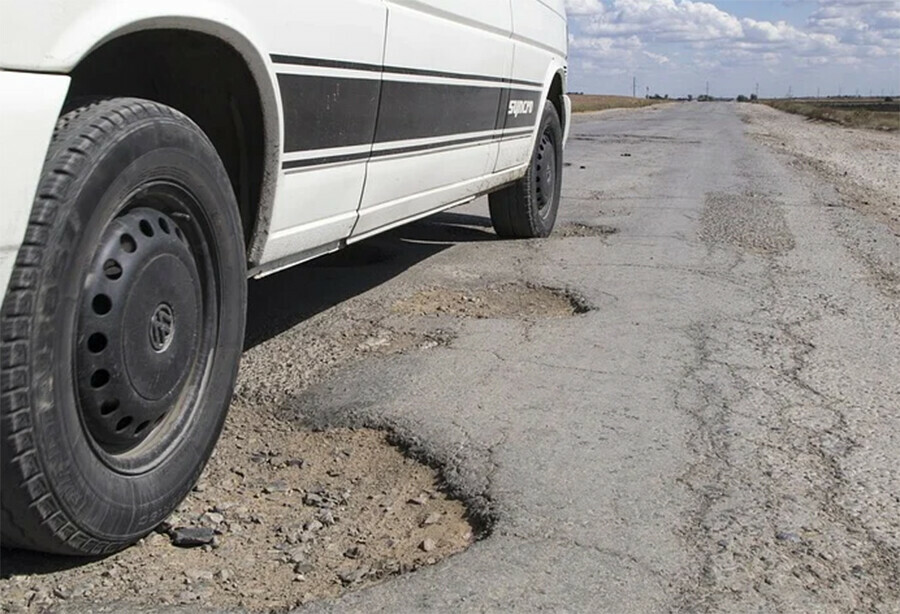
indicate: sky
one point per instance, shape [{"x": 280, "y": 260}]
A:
[{"x": 787, "y": 47}]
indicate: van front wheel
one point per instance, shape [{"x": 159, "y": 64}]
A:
[{"x": 122, "y": 329}]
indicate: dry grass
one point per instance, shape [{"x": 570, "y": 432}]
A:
[
  {"x": 584, "y": 103},
  {"x": 856, "y": 113}
]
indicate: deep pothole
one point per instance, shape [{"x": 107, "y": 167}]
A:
[
  {"x": 298, "y": 515},
  {"x": 511, "y": 300}
]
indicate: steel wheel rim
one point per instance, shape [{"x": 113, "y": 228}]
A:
[
  {"x": 159, "y": 222},
  {"x": 545, "y": 174}
]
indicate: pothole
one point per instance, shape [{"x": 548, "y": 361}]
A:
[
  {"x": 297, "y": 516},
  {"x": 514, "y": 300},
  {"x": 577, "y": 229}
]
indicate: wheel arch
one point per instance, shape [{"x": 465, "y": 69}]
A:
[
  {"x": 249, "y": 142},
  {"x": 556, "y": 95}
]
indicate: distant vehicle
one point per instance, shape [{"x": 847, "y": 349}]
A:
[{"x": 157, "y": 154}]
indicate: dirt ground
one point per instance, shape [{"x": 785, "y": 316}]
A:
[
  {"x": 292, "y": 515},
  {"x": 296, "y": 515},
  {"x": 509, "y": 300}
]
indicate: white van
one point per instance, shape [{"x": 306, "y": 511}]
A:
[{"x": 157, "y": 154}]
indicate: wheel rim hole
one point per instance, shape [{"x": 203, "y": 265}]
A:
[
  {"x": 99, "y": 378},
  {"x": 112, "y": 269},
  {"x": 141, "y": 427},
  {"x": 164, "y": 225},
  {"x": 101, "y": 304},
  {"x": 124, "y": 423},
  {"x": 178, "y": 233},
  {"x": 146, "y": 228},
  {"x": 128, "y": 243},
  {"x": 97, "y": 343},
  {"x": 108, "y": 407}
]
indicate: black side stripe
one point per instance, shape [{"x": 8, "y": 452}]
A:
[
  {"x": 414, "y": 110},
  {"x": 328, "y": 112},
  {"x": 400, "y": 70},
  {"x": 336, "y": 159},
  {"x": 325, "y": 160}
]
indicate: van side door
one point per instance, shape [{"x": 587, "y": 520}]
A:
[
  {"x": 447, "y": 65},
  {"x": 327, "y": 59}
]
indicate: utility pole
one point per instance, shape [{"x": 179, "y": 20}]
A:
[
  {"x": 840, "y": 91},
  {"x": 790, "y": 91},
  {"x": 634, "y": 87},
  {"x": 757, "y": 90},
  {"x": 817, "y": 92},
  {"x": 648, "y": 91},
  {"x": 707, "y": 89}
]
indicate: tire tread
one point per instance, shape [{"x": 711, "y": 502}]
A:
[{"x": 31, "y": 515}]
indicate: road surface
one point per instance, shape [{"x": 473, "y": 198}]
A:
[
  {"x": 721, "y": 432},
  {"x": 687, "y": 400}
]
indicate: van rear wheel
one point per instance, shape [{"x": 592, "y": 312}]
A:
[
  {"x": 122, "y": 329},
  {"x": 527, "y": 209}
]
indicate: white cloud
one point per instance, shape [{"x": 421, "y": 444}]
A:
[
  {"x": 859, "y": 22},
  {"x": 604, "y": 55},
  {"x": 663, "y": 20},
  {"x": 686, "y": 34},
  {"x": 583, "y": 7},
  {"x": 656, "y": 57}
]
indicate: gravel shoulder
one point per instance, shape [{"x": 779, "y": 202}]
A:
[{"x": 864, "y": 165}]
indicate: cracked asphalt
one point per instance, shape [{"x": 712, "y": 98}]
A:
[
  {"x": 687, "y": 400},
  {"x": 719, "y": 433}
]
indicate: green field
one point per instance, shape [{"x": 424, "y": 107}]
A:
[{"x": 873, "y": 113}]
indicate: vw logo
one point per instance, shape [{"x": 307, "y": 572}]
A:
[{"x": 162, "y": 327}]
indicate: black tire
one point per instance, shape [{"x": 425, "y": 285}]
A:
[
  {"x": 122, "y": 329},
  {"x": 527, "y": 209}
]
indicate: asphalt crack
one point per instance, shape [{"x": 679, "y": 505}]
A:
[{"x": 754, "y": 484}]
